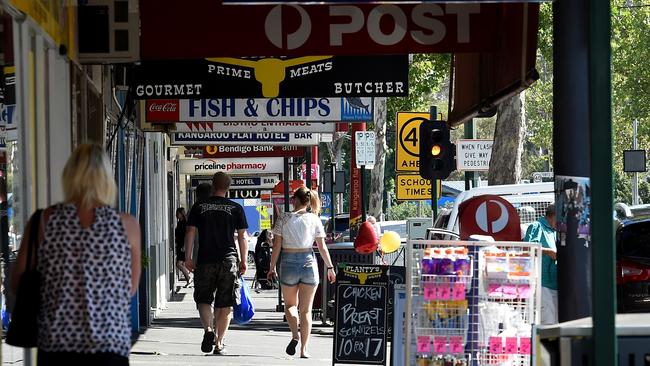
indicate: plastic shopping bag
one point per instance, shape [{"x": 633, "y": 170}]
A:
[{"x": 244, "y": 311}]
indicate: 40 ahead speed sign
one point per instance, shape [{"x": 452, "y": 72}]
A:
[{"x": 407, "y": 156}]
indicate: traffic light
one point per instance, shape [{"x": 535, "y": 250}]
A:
[{"x": 437, "y": 153}]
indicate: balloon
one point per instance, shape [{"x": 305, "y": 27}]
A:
[
  {"x": 390, "y": 241},
  {"x": 366, "y": 241}
]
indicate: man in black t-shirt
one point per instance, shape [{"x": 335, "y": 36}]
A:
[{"x": 217, "y": 263}]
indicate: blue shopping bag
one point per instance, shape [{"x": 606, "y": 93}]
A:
[{"x": 244, "y": 311}]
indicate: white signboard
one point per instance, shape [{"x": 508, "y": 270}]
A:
[
  {"x": 285, "y": 127},
  {"x": 365, "y": 149},
  {"x": 231, "y": 166},
  {"x": 231, "y": 138},
  {"x": 251, "y": 109},
  {"x": 473, "y": 155}
]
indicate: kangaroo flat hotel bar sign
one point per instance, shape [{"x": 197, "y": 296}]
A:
[
  {"x": 294, "y": 77},
  {"x": 350, "y": 109},
  {"x": 230, "y": 166}
]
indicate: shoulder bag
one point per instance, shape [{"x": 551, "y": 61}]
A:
[{"x": 23, "y": 328}]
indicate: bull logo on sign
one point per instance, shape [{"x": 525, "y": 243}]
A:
[{"x": 270, "y": 72}]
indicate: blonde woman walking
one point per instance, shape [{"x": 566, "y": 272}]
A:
[
  {"x": 89, "y": 260},
  {"x": 294, "y": 235}
]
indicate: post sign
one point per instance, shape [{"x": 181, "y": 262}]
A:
[
  {"x": 407, "y": 144},
  {"x": 214, "y": 138},
  {"x": 210, "y": 28},
  {"x": 350, "y": 109},
  {"x": 230, "y": 166},
  {"x": 360, "y": 329},
  {"x": 414, "y": 187},
  {"x": 365, "y": 149},
  {"x": 473, "y": 155},
  {"x": 297, "y": 77},
  {"x": 489, "y": 215},
  {"x": 316, "y": 127},
  {"x": 250, "y": 151}
]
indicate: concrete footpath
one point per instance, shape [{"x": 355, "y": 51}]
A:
[{"x": 175, "y": 337}]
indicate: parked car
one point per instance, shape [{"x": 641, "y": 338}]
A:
[{"x": 633, "y": 258}]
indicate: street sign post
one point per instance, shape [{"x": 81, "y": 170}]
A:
[
  {"x": 407, "y": 143},
  {"x": 365, "y": 149}
]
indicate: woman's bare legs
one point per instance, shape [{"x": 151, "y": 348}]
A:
[{"x": 306, "y": 299}]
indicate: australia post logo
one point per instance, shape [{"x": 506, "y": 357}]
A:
[
  {"x": 422, "y": 24},
  {"x": 164, "y": 110}
]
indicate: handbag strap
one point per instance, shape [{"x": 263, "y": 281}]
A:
[{"x": 35, "y": 224}]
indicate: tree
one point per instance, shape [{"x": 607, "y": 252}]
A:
[
  {"x": 376, "y": 192},
  {"x": 505, "y": 162}
]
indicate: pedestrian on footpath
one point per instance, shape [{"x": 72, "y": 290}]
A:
[
  {"x": 218, "y": 265},
  {"x": 89, "y": 261},
  {"x": 179, "y": 236},
  {"x": 294, "y": 236},
  {"x": 543, "y": 231}
]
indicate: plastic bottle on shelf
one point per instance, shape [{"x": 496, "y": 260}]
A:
[
  {"x": 427, "y": 262},
  {"x": 462, "y": 265},
  {"x": 447, "y": 263},
  {"x": 437, "y": 260}
]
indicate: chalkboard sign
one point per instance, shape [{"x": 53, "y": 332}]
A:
[
  {"x": 360, "y": 328},
  {"x": 396, "y": 276}
]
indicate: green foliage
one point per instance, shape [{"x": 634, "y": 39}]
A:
[{"x": 407, "y": 210}]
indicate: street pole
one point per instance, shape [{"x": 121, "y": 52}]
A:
[
  {"x": 308, "y": 168},
  {"x": 605, "y": 345},
  {"x": 635, "y": 175},
  {"x": 363, "y": 193},
  {"x": 333, "y": 197},
  {"x": 433, "y": 115},
  {"x": 470, "y": 133}
]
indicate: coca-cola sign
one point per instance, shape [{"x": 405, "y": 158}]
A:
[{"x": 162, "y": 110}]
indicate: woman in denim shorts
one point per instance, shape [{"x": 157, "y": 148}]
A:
[{"x": 295, "y": 233}]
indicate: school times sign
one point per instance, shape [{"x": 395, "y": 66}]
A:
[{"x": 271, "y": 77}]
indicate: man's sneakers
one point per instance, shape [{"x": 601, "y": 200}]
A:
[{"x": 208, "y": 342}]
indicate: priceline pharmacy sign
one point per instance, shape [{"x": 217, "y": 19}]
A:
[{"x": 230, "y": 166}]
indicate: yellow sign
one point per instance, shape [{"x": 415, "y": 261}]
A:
[
  {"x": 407, "y": 143},
  {"x": 269, "y": 72},
  {"x": 265, "y": 224},
  {"x": 414, "y": 187}
]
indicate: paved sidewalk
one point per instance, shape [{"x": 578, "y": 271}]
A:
[{"x": 175, "y": 337}]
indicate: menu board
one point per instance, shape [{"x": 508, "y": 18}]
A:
[{"x": 360, "y": 328}]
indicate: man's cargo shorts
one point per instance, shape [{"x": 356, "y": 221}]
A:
[{"x": 218, "y": 282}]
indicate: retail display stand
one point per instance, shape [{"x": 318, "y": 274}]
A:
[{"x": 471, "y": 302}]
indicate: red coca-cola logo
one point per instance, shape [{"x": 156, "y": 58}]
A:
[{"x": 162, "y": 111}]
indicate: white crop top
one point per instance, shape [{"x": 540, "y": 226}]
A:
[{"x": 299, "y": 229}]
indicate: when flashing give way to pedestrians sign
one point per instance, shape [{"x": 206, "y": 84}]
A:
[{"x": 407, "y": 156}]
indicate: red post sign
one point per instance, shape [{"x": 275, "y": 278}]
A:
[
  {"x": 489, "y": 215},
  {"x": 208, "y": 28}
]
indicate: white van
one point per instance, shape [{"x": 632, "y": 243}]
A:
[{"x": 530, "y": 200}]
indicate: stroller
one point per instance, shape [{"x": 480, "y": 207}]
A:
[{"x": 263, "y": 252}]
